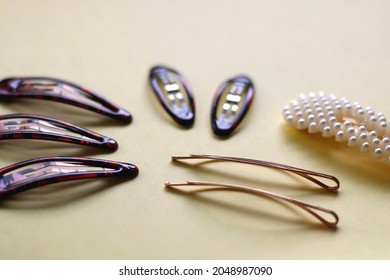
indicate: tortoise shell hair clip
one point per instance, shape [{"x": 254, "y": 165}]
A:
[
  {"x": 62, "y": 91},
  {"x": 25, "y": 126},
  {"x": 37, "y": 172},
  {"x": 174, "y": 93}
]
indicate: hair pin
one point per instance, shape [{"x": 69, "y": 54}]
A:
[
  {"x": 231, "y": 102},
  {"x": 23, "y": 126},
  {"x": 37, "y": 172},
  {"x": 62, "y": 91},
  {"x": 312, "y": 176},
  {"x": 314, "y": 210},
  {"x": 342, "y": 119},
  {"x": 174, "y": 94}
]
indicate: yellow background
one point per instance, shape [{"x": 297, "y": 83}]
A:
[{"x": 287, "y": 47}]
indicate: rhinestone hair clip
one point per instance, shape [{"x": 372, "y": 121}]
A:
[
  {"x": 317, "y": 212},
  {"x": 62, "y": 91},
  {"x": 342, "y": 119},
  {"x": 26, "y": 126},
  {"x": 37, "y": 172}
]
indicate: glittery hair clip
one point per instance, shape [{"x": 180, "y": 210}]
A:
[
  {"x": 314, "y": 210},
  {"x": 342, "y": 119},
  {"x": 62, "y": 91},
  {"x": 231, "y": 102},
  {"x": 37, "y": 172},
  {"x": 174, "y": 93},
  {"x": 25, "y": 126}
]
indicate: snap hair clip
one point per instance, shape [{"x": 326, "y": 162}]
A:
[
  {"x": 37, "y": 172},
  {"x": 312, "y": 176},
  {"x": 174, "y": 94},
  {"x": 231, "y": 102},
  {"x": 314, "y": 210},
  {"x": 62, "y": 91},
  {"x": 342, "y": 119},
  {"x": 26, "y": 126}
]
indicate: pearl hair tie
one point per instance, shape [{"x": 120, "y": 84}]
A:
[{"x": 340, "y": 118}]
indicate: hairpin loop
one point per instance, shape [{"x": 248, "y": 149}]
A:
[
  {"x": 37, "y": 172},
  {"x": 324, "y": 215},
  {"x": 25, "y": 126},
  {"x": 342, "y": 119},
  {"x": 62, "y": 91}
]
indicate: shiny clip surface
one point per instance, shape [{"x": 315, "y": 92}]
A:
[
  {"x": 174, "y": 94},
  {"x": 37, "y": 172},
  {"x": 24, "y": 126},
  {"x": 231, "y": 102},
  {"x": 62, "y": 91}
]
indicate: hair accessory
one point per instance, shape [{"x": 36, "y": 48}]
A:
[
  {"x": 64, "y": 92},
  {"x": 307, "y": 174},
  {"x": 310, "y": 208},
  {"x": 174, "y": 94},
  {"x": 340, "y": 118},
  {"x": 22, "y": 126},
  {"x": 231, "y": 102},
  {"x": 314, "y": 210},
  {"x": 37, "y": 172}
]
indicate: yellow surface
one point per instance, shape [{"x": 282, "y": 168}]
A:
[{"x": 287, "y": 47}]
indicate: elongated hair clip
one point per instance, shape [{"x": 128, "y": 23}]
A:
[
  {"x": 231, "y": 103},
  {"x": 312, "y": 176},
  {"x": 62, "y": 91},
  {"x": 25, "y": 126},
  {"x": 314, "y": 210},
  {"x": 174, "y": 94},
  {"x": 343, "y": 120},
  {"x": 37, "y": 172}
]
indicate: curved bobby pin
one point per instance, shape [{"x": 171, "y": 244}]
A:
[
  {"x": 307, "y": 174},
  {"x": 64, "y": 92},
  {"x": 23, "y": 126},
  {"x": 314, "y": 210},
  {"x": 37, "y": 172}
]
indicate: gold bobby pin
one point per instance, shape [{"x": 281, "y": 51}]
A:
[
  {"x": 308, "y": 174},
  {"x": 314, "y": 210}
]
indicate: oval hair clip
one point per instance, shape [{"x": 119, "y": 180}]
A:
[
  {"x": 25, "y": 126},
  {"x": 37, "y": 172},
  {"x": 62, "y": 91},
  {"x": 174, "y": 94},
  {"x": 231, "y": 102}
]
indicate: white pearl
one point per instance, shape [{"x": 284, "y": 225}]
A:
[
  {"x": 365, "y": 147},
  {"x": 327, "y": 131},
  {"x": 352, "y": 141},
  {"x": 312, "y": 127},
  {"x": 340, "y": 136},
  {"x": 378, "y": 152}
]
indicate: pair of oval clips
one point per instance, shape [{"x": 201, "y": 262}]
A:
[{"x": 231, "y": 101}]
